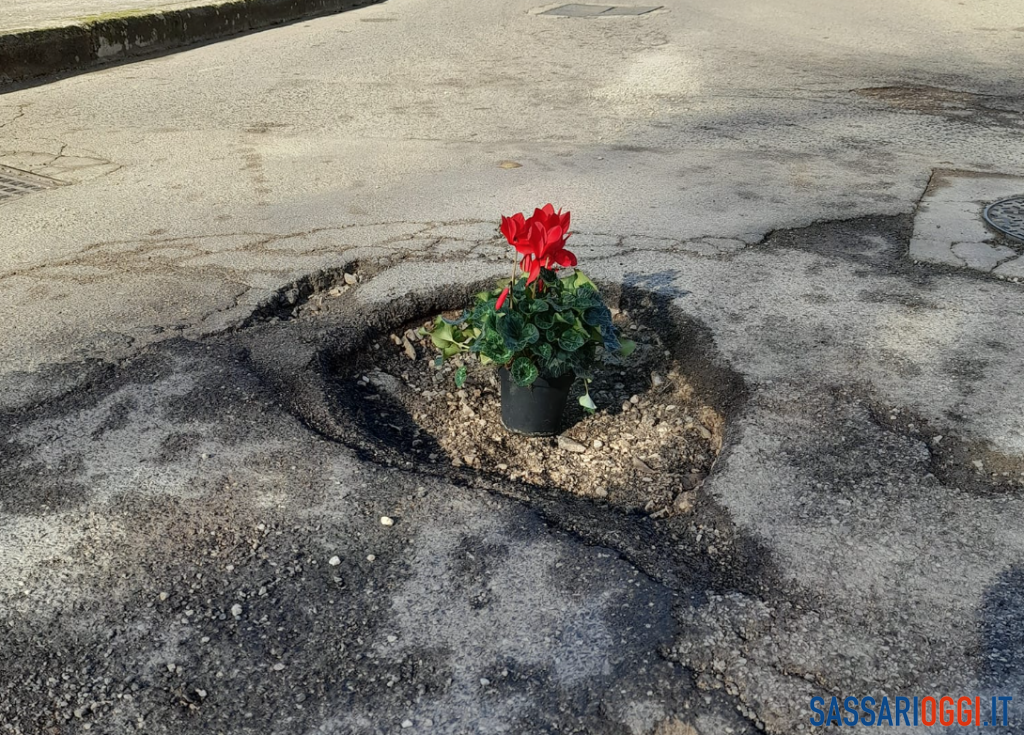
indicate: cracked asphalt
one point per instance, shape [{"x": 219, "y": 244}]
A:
[{"x": 190, "y": 524}]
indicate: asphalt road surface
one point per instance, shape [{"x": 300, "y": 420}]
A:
[{"x": 190, "y": 534}]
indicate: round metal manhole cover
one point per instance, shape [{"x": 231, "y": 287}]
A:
[{"x": 1007, "y": 216}]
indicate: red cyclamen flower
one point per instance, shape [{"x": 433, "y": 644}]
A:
[
  {"x": 501, "y": 299},
  {"x": 514, "y": 229},
  {"x": 539, "y": 239}
]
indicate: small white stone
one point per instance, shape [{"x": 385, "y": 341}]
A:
[
  {"x": 598, "y": 443},
  {"x": 236, "y": 610},
  {"x": 392, "y": 638},
  {"x": 278, "y": 667},
  {"x": 163, "y": 596},
  {"x": 684, "y": 502},
  {"x": 485, "y": 682},
  {"x": 406, "y": 723},
  {"x": 334, "y": 561},
  {"x": 570, "y": 445},
  {"x": 387, "y": 521},
  {"x": 371, "y": 557},
  {"x": 601, "y": 492}
]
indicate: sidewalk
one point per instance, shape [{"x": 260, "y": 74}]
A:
[
  {"x": 31, "y": 15},
  {"x": 41, "y": 39}
]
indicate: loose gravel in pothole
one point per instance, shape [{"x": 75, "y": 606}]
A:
[{"x": 648, "y": 448}]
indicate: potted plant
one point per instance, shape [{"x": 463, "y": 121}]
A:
[{"x": 544, "y": 328}]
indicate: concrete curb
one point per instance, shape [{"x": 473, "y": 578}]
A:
[{"x": 26, "y": 55}]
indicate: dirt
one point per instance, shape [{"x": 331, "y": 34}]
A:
[{"x": 648, "y": 447}]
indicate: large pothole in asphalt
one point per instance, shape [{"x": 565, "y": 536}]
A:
[{"x": 660, "y": 427}]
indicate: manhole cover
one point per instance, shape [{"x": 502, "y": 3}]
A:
[
  {"x": 585, "y": 10},
  {"x": 1007, "y": 216},
  {"x": 15, "y": 183}
]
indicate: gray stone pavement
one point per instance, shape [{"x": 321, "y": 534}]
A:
[{"x": 768, "y": 169}]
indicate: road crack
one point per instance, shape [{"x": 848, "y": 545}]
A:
[{"x": 17, "y": 116}]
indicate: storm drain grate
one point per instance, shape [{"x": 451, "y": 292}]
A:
[
  {"x": 15, "y": 183},
  {"x": 584, "y": 10},
  {"x": 1007, "y": 216}
]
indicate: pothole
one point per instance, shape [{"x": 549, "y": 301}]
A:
[
  {"x": 660, "y": 428},
  {"x": 307, "y": 295},
  {"x": 950, "y": 104}
]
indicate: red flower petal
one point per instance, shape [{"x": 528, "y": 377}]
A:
[
  {"x": 507, "y": 230},
  {"x": 501, "y": 299},
  {"x": 513, "y": 228},
  {"x": 564, "y": 258},
  {"x": 533, "y": 273}
]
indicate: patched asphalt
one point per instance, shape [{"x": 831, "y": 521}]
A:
[{"x": 194, "y": 542}]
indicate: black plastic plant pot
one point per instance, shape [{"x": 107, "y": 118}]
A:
[{"x": 536, "y": 409}]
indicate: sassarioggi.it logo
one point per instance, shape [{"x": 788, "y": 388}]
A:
[{"x": 926, "y": 711}]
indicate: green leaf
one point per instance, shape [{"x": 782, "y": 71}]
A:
[
  {"x": 543, "y": 350},
  {"x": 523, "y": 371},
  {"x": 517, "y": 332},
  {"x": 449, "y": 339},
  {"x": 536, "y": 306},
  {"x": 610, "y": 338},
  {"x": 549, "y": 277},
  {"x": 455, "y": 322},
  {"x": 626, "y": 347},
  {"x": 581, "y": 280},
  {"x": 555, "y": 365},
  {"x": 498, "y": 353},
  {"x": 441, "y": 335},
  {"x": 571, "y": 340},
  {"x": 586, "y": 297},
  {"x": 597, "y": 316},
  {"x": 588, "y": 403},
  {"x": 544, "y": 321},
  {"x": 460, "y": 376},
  {"x": 484, "y": 316},
  {"x": 492, "y": 346},
  {"x": 582, "y": 363}
]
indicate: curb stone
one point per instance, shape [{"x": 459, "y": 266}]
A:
[{"x": 26, "y": 55}]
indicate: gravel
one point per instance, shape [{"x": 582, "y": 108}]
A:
[{"x": 640, "y": 457}]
